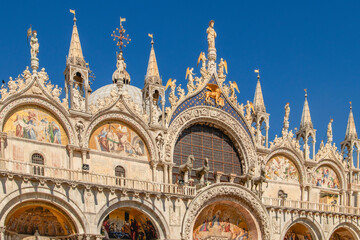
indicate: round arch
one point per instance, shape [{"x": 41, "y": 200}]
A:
[
  {"x": 312, "y": 225},
  {"x": 143, "y": 206},
  {"x": 44, "y": 104},
  {"x": 293, "y": 157},
  {"x": 222, "y": 120},
  {"x": 353, "y": 230},
  {"x": 58, "y": 200},
  {"x": 240, "y": 197},
  {"x": 336, "y": 167},
  {"x": 125, "y": 118}
]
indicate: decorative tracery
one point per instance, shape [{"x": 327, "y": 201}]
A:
[{"x": 208, "y": 142}]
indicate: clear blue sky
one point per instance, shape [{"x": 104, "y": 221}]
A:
[{"x": 295, "y": 44}]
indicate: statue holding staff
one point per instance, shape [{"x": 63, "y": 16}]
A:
[{"x": 211, "y": 35}]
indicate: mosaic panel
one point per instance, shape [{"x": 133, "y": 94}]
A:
[
  {"x": 32, "y": 122},
  {"x": 280, "y": 168},
  {"x": 326, "y": 177},
  {"x": 116, "y": 137},
  {"x": 220, "y": 221}
]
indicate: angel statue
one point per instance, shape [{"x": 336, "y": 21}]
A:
[
  {"x": 211, "y": 35},
  {"x": 329, "y": 132},
  {"x": 172, "y": 97},
  {"x": 189, "y": 76},
  {"x": 203, "y": 59},
  {"x": 222, "y": 66},
  {"x": 233, "y": 86},
  {"x": 34, "y": 43},
  {"x": 249, "y": 106}
]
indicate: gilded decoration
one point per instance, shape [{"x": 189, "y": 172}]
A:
[
  {"x": 35, "y": 123},
  {"x": 239, "y": 196},
  {"x": 210, "y": 95},
  {"x": 128, "y": 223},
  {"x": 116, "y": 137},
  {"x": 40, "y": 219},
  {"x": 280, "y": 168},
  {"x": 220, "y": 221},
  {"x": 326, "y": 177}
]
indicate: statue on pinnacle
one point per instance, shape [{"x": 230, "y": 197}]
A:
[{"x": 34, "y": 48}]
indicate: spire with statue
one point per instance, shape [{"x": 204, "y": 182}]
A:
[{"x": 120, "y": 75}]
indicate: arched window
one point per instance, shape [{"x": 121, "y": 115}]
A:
[
  {"x": 38, "y": 159},
  {"x": 203, "y": 142},
  {"x": 119, "y": 171}
]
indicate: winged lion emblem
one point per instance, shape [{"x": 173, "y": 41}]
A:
[{"x": 213, "y": 93}]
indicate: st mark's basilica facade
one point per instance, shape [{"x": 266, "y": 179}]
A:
[{"x": 123, "y": 162}]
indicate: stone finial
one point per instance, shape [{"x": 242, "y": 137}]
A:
[
  {"x": 152, "y": 73},
  {"x": 351, "y": 133},
  {"x": 75, "y": 52},
  {"x": 306, "y": 117},
  {"x": 259, "y": 104}
]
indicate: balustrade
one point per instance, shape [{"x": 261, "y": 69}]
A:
[
  {"x": 22, "y": 168},
  {"x": 304, "y": 205}
]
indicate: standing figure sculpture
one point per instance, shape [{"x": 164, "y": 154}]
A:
[
  {"x": 172, "y": 96},
  {"x": 211, "y": 35},
  {"x": 189, "y": 76},
  {"x": 233, "y": 87},
  {"x": 329, "y": 132},
  {"x": 34, "y": 51},
  {"x": 34, "y": 43},
  {"x": 287, "y": 112},
  {"x": 286, "y": 118},
  {"x": 222, "y": 66}
]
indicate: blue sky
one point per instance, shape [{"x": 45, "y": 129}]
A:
[{"x": 295, "y": 44}]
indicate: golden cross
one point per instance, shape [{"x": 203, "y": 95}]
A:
[{"x": 121, "y": 38}]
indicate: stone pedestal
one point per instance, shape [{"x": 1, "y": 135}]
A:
[{"x": 34, "y": 64}]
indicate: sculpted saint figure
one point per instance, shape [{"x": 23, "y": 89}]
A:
[
  {"x": 189, "y": 75},
  {"x": 181, "y": 92},
  {"x": 34, "y": 43},
  {"x": 78, "y": 99},
  {"x": 26, "y": 74},
  {"x": 329, "y": 132},
  {"x": 12, "y": 85},
  {"x": 211, "y": 35},
  {"x": 287, "y": 112}
]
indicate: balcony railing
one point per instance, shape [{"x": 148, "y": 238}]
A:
[
  {"x": 67, "y": 175},
  {"x": 303, "y": 205}
]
